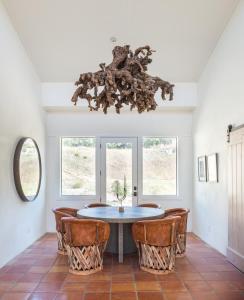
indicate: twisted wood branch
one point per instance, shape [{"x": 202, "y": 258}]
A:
[{"x": 124, "y": 81}]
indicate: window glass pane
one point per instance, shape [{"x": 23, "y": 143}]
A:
[
  {"x": 119, "y": 173},
  {"x": 78, "y": 166},
  {"x": 159, "y": 166}
]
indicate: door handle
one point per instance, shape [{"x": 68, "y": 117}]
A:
[{"x": 135, "y": 191}]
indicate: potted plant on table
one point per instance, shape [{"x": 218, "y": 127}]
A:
[{"x": 120, "y": 192}]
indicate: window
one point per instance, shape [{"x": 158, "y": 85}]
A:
[
  {"x": 159, "y": 166},
  {"x": 90, "y": 166},
  {"x": 78, "y": 166}
]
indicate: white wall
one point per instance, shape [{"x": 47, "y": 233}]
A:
[
  {"x": 20, "y": 116},
  {"x": 127, "y": 124},
  {"x": 221, "y": 90}
]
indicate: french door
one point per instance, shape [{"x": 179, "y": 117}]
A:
[{"x": 119, "y": 170}]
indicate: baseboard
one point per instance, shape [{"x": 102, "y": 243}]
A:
[
  {"x": 221, "y": 250},
  {"x": 235, "y": 258}
]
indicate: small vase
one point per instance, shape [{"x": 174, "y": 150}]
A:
[{"x": 121, "y": 209}]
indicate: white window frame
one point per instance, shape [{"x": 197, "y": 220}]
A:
[
  {"x": 98, "y": 165},
  {"x": 155, "y": 198},
  {"x": 96, "y": 196}
]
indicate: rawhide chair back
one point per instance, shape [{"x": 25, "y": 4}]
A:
[
  {"x": 181, "y": 235},
  {"x": 85, "y": 243},
  {"x": 156, "y": 244},
  {"x": 59, "y": 214}
]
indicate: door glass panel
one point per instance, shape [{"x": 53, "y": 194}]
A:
[{"x": 118, "y": 172}]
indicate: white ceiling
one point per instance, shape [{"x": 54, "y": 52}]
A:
[{"x": 67, "y": 37}]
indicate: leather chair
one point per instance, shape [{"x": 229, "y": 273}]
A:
[
  {"x": 152, "y": 205},
  {"x": 59, "y": 214},
  {"x": 181, "y": 235},
  {"x": 85, "y": 243},
  {"x": 156, "y": 244},
  {"x": 98, "y": 204}
]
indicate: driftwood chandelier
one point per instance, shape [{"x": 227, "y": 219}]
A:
[{"x": 123, "y": 82}]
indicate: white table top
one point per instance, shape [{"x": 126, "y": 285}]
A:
[{"x": 112, "y": 214}]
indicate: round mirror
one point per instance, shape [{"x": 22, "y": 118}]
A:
[{"x": 27, "y": 169}]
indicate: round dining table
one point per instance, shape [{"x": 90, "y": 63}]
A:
[{"x": 120, "y": 224}]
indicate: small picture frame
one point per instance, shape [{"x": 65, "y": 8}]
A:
[
  {"x": 213, "y": 167},
  {"x": 202, "y": 169}
]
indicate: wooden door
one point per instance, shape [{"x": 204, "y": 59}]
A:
[{"x": 235, "y": 250}]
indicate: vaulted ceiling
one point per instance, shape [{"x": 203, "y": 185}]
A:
[{"x": 67, "y": 37}]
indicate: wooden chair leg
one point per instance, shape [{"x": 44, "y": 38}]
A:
[
  {"x": 85, "y": 260},
  {"x": 156, "y": 260},
  {"x": 181, "y": 245},
  {"x": 61, "y": 244}
]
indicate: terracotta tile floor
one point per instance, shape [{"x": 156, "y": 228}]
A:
[{"x": 39, "y": 273}]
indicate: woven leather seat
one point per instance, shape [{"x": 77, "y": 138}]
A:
[
  {"x": 156, "y": 244},
  {"x": 98, "y": 204},
  {"x": 152, "y": 205},
  {"x": 85, "y": 242},
  {"x": 59, "y": 214},
  {"x": 181, "y": 235}
]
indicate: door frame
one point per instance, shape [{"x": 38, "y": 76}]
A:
[{"x": 134, "y": 142}]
